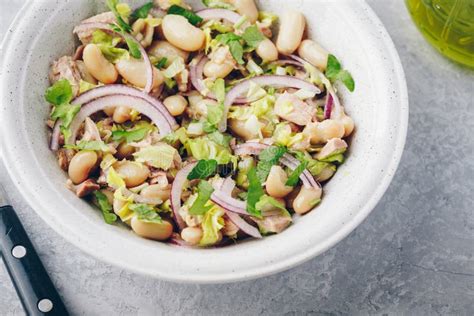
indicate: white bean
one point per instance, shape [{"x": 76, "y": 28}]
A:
[
  {"x": 133, "y": 173},
  {"x": 182, "y": 34},
  {"x": 292, "y": 26},
  {"x": 313, "y": 53},
  {"x": 214, "y": 70},
  {"x": 247, "y": 8},
  {"x": 192, "y": 235},
  {"x": 163, "y": 49},
  {"x": 275, "y": 184},
  {"x": 81, "y": 165},
  {"x": 306, "y": 199},
  {"x": 98, "y": 66},
  {"x": 155, "y": 231},
  {"x": 176, "y": 104},
  {"x": 267, "y": 50},
  {"x": 134, "y": 71}
]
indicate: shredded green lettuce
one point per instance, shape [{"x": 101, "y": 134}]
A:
[
  {"x": 201, "y": 204},
  {"x": 160, "y": 156},
  {"x": 204, "y": 148},
  {"x": 133, "y": 135},
  {"x": 95, "y": 145},
  {"x": 146, "y": 213},
  {"x": 212, "y": 223},
  {"x": 114, "y": 180},
  {"x": 267, "y": 203},
  {"x": 104, "y": 205},
  {"x": 218, "y": 4},
  {"x": 176, "y": 67}
]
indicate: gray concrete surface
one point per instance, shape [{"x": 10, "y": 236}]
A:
[{"x": 413, "y": 255}]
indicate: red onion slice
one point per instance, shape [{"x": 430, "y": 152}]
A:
[
  {"x": 229, "y": 203},
  {"x": 283, "y": 62},
  {"x": 114, "y": 89},
  {"x": 54, "y": 144},
  {"x": 243, "y": 225},
  {"x": 137, "y": 103},
  {"x": 106, "y": 27},
  {"x": 219, "y": 14},
  {"x": 228, "y": 186},
  {"x": 328, "y": 106},
  {"x": 274, "y": 81},
  {"x": 177, "y": 190},
  {"x": 196, "y": 74}
]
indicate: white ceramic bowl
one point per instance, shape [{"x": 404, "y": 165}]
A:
[{"x": 349, "y": 29}]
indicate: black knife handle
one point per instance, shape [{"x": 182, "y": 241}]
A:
[{"x": 32, "y": 283}]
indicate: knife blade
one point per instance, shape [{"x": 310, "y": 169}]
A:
[{"x": 32, "y": 283}]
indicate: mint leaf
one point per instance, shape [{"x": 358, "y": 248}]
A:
[
  {"x": 203, "y": 169},
  {"x": 255, "y": 192},
  {"x": 130, "y": 136},
  {"x": 295, "y": 174},
  {"x": 334, "y": 72},
  {"x": 252, "y": 36},
  {"x": 103, "y": 203},
  {"x": 267, "y": 158},
  {"x": 59, "y": 93},
  {"x": 199, "y": 206},
  {"x": 142, "y": 12},
  {"x": 146, "y": 213},
  {"x": 193, "y": 18}
]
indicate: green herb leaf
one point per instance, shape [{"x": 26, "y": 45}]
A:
[
  {"x": 112, "y": 4},
  {"x": 237, "y": 51},
  {"x": 142, "y": 12},
  {"x": 193, "y": 18},
  {"x": 103, "y": 203},
  {"x": 295, "y": 175},
  {"x": 59, "y": 93},
  {"x": 203, "y": 169},
  {"x": 252, "y": 36},
  {"x": 346, "y": 78},
  {"x": 130, "y": 136},
  {"x": 95, "y": 145},
  {"x": 199, "y": 206},
  {"x": 235, "y": 46},
  {"x": 255, "y": 192},
  {"x": 334, "y": 72},
  {"x": 267, "y": 158},
  {"x": 146, "y": 213},
  {"x": 134, "y": 48},
  {"x": 161, "y": 63}
]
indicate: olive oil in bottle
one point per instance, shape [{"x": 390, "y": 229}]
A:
[{"x": 448, "y": 25}]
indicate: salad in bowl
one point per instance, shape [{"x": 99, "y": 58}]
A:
[{"x": 198, "y": 128}]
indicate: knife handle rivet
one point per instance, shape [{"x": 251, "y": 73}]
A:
[
  {"x": 45, "y": 305},
  {"x": 19, "y": 251}
]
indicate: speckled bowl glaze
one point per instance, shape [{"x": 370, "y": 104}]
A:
[{"x": 349, "y": 29}]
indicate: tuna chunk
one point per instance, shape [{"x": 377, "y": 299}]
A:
[
  {"x": 66, "y": 68},
  {"x": 333, "y": 146},
  {"x": 293, "y": 109},
  {"x": 86, "y": 36},
  {"x": 273, "y": 224}
]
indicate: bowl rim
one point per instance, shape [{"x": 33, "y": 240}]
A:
[{"x": 274, "y": 267}]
